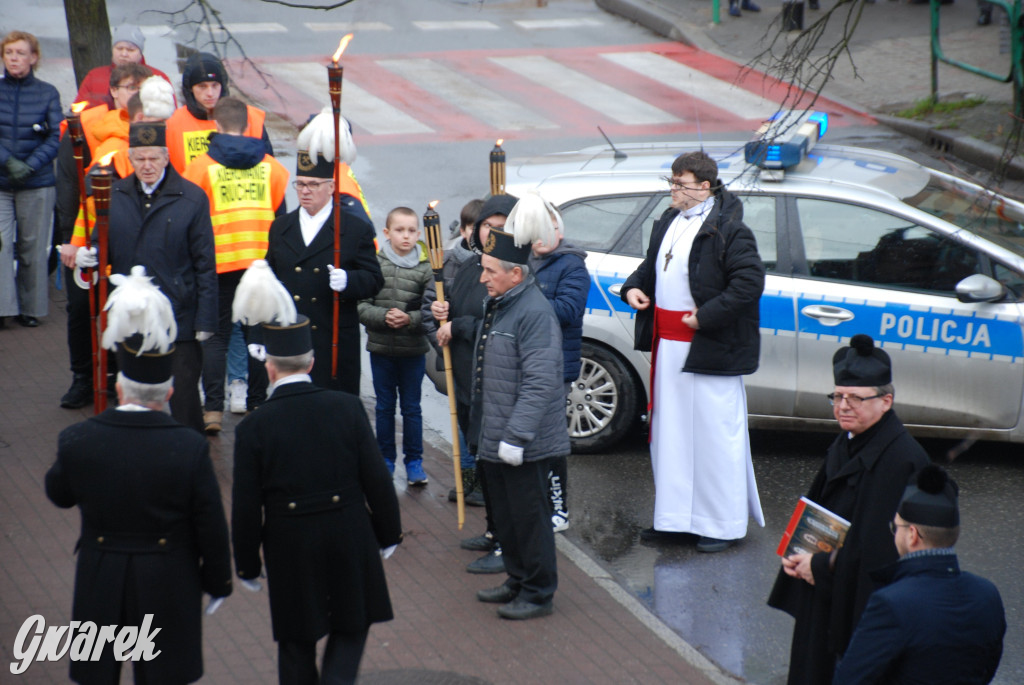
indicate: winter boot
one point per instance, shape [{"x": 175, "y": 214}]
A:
[
  {"x": 80, "y": 392},
  {"x": 734, "y": 8}
]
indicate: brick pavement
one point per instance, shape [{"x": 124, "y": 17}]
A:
[{"x": 441, "y": 634}]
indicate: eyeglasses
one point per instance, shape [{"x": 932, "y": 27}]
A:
[
  {"x": 854, "y": 401},
  {"x": 676, "y": 185},
  {"x": 893, "y": 526},
  {"x": 303, "y": 185},
  {"x": 133, "y": 87}
]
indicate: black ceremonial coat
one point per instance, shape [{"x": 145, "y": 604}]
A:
[
  {"x": 862, "y": 480},
  {"x": 154, "y": 536},
  {"x": 311, "y": 486},
  {"x": 303, "y": 271}
]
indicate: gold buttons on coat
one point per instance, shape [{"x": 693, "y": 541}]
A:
[
  {"x": 316, "y": 270},
  {"x": 291, "y": 505},
  {"x": 296, "y": 298},
  {"x": 312, "y": 299},
  {"x": 100, "y": 539},
  {"x": 298, "y": 269},
  {"x": 335, "y": 499},
  {"x": 162, "y": 542}
]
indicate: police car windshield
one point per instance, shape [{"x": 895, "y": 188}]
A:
[{"x": 964, "y": 204}]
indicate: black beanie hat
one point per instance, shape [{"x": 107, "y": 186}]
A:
[
  {"x": 932, "y": 501},
  {"x": 861, "y": 364},
  {"x": 495, "y": 204},
  {"x": 199, "y": 68}
]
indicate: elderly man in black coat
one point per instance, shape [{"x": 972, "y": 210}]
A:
[
  {"x": 311, "y": 487},
  {"x": 862, "y": 479},
  {"x": 301, "y": 253},
  {"x": 161, "y": 221},
  {"x": 154, "y": 536}
]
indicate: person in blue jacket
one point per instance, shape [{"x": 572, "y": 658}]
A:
[
  {"x": 931, "y": 622},
  {"x": 30, "y": 119},
  {"x": 561, "y": 272}
]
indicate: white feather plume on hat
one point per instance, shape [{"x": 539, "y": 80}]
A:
[
  {"x": 532, "y": 219},
  {"x": 317, "y": 138},
  {"x": 137, "y": 306},
  {"x": 261, "y": 298},
  {"x": 157, "y": 97}
]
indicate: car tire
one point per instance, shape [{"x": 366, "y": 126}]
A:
[{"x": 603, "y": 403}]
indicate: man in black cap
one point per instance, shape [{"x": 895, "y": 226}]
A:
[
  {"x": 161, "y": 221},
  {"x": 862, "y": 479},
  {"x": 301, "y": 253},
  {"x": 311, "y": 487},
  {"x": 930, "y": 623},
  {"x": 154, "y": 536},
  {"x": 204, "y": 81},
  {"x": 517, "y": 420}
]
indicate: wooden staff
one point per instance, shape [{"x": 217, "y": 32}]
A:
[
  {"x": 498, "y": 169},
  {"x": 102, "y": 178},
  {"x": 335, "y": 73},
  {"x": 78, "y": 150},
  {"x": 432, "y": 228}
]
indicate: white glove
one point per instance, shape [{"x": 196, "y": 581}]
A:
[
  {"x": 251, "y": 585},
  {"x": 510, "y": 454},
  {"x": 214, "y": 604},
  {"x": 388, "y": 551},
  {"x": 339, "y": 278},
  {"x": 86, "y": 257},
  {"x": 203, "y": 336},
  {"x": 257, "y": 352}
]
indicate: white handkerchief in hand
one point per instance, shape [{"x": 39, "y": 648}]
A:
[{"x": 510, "y": 454}]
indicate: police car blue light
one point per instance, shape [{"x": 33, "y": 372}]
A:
[{"x": 785, "y": 139}]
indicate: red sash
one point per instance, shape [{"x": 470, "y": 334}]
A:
[{"x": 668, "y": 325}]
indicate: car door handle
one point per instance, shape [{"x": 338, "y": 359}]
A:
[
  {"x": 827, "y": 315},
  {"x": 615, "y": 289}
]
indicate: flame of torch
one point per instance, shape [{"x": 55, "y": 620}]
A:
[
  {"x": 498, "y": 168},
  {"x": 341, "y": 48},
  {"x": 79, "y": 107}
]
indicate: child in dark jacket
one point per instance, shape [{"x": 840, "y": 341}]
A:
[
  {"x": 561, "y": 273},
  {"x": 396, "y": 342}
]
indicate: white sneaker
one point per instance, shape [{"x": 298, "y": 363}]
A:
[{"x": 237, "y": 391}]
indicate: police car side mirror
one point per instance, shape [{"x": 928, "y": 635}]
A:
[{"x": 980, "y": 288}]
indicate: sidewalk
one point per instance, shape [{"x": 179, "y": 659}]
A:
[
  {"x": 888, "y": 68},
  {"x": 441, "y": 634}
]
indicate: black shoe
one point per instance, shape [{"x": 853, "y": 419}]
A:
[
  {"x": 502, "y": 594},
  {"x": 734, "y": 9},
  {"x": 488, "y": 563},
  {"x": 521, "y": 610},
  {"x": 473, "y": 498},
  {"x": 480, "y": 543},
  {"x": 27, "y": 321},
  {"x": 749, "y": 6},
  {"x": 79, "y": 394},
  {"x": 652, "y": 535},
  {"x": 711, "y": 545},
  {"x": 985, "y": 17},
  {"x": 813, "y": 4}
]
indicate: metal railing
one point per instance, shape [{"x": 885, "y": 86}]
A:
[{"x": 1016, "y": 75}]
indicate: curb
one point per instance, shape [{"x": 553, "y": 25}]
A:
[{"x": 649, "y": 15}]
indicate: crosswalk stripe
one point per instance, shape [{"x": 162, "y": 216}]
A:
[
  {"x": 348, "y": 26},
  {"x": 468, "y": 95},
  {"x": 609, "y": 101},
  {"x": 556, "y": 23},
  {"x": 359, "y": 106},
  {"x": 738, "y": 101},
  {"x": 472, "y": 25},
  {"x": 244, "y": 27}
]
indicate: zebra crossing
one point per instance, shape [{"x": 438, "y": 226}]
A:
[{"x": 651, "y": 89}]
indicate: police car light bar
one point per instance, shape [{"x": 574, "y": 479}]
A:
[{"x": 773, "y": 149}]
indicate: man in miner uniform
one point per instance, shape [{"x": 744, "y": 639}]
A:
[
  {"x": 154, "y": 537},
  {"x": 246, "y": 189},
  {"x": 301, "y": 253},
  {"x": 310, "y": 489}
]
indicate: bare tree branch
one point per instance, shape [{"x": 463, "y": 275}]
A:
[{"x": 295, "y": 5}]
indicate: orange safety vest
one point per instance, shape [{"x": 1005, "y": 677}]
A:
[
  {"x": 114, "y": 132},
  {"x": 78, "y": 237},
  {"x": 242, "y": 206},
  {"x": 188, "y": 137},
  {"x": 350, "y": 186}
]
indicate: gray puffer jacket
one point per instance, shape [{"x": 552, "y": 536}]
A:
[
  {"x": 403, "y": 289},
  {"x": 518, "y": 396}
]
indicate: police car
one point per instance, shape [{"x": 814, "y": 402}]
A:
[{"x": 853, "y": 241}]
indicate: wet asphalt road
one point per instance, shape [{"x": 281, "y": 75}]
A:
[{"x": 717, "y": 601}]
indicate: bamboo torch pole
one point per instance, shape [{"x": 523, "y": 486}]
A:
[
  {"x": 432, "y": 228},
  {"x": 498, "y": 169},
  {"x": 102, "y": 178}
]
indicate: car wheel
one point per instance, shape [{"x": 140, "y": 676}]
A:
[{"x": 602, "y": 403}]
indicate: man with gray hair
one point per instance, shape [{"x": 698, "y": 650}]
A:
[
  {"x": 517, "y": 421},
  {"x": 154, "y": 537}
]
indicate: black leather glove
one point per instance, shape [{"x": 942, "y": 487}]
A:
[{"x": 17, "y": 171}]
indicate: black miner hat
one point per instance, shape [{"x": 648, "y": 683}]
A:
[
  {"x": 147, "y": 134},
  {"x": 288, "y": 340},
  {"x": 152, "y": 367},
  {"x": 861, "y": 364}
]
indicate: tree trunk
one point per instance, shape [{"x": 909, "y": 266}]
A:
[{"x": 89, "y": 35}]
